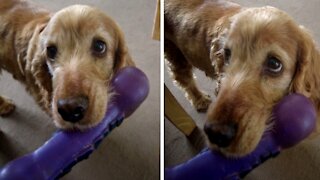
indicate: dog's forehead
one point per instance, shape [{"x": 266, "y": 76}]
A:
[
  {"x": 253, "y": 21},
  {"x": 260, "y": 15},
  {"x": 80, "y": 23},
  {"x": 81, "y": 19},
  {"x": 259, "y": 27}
]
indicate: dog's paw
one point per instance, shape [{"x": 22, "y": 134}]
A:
[
  {"x": 7, "y": 108},
  {"x": 202, "y": 103}
]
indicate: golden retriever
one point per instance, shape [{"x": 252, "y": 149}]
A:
[
  {"x": 65, "y": 59},
  {"x": 257, "y": 56}
]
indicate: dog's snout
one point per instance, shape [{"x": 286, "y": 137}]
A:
[
  {"x": 73, "y": 109},
  {"x": 221, "y": 134}
]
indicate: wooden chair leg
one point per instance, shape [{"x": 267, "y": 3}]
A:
[{"x": 177, "y": 115}]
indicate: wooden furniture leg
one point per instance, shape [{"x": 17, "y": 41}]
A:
[{"x": 176, "y": 114}]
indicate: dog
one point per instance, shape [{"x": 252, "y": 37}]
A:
[
  {"x": 256, "y": 55},
  {"x": 65, "y": 59}
]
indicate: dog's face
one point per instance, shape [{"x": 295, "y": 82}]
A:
[
  {"x": 261, "y": 59},
  {"x": 82, "y": 48}
]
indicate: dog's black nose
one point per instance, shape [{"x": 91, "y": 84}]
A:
[
  {"x": 73, "y": 109},
  {"x": 221, "y": 134}
]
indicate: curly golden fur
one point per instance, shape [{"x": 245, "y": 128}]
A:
[
  {"x": 26, "y": 33},
  {"x": 257, "y": 56}
]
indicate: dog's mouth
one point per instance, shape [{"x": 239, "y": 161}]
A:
[
  {"x": 238, "y": 147},
  {"x": 77, "y": 113},
  {"x": 238, "y": 139},
  {"x": 80, "y": 111},
  {"x": 73, "y": 109}
]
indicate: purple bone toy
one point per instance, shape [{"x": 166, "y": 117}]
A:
[
  {"x": 295, "y": 119},
  {"x": 65, "y": 148}
]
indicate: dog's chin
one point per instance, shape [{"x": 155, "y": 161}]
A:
[
  {"x": 233, "y": 151},
  {"x": 61, "y": 124},
  {"x": 238, "y": 148}
]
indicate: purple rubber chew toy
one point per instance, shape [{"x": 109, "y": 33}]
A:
[
  {"x": 64, "y": 149},
  {"x": 295, "y": 119}
]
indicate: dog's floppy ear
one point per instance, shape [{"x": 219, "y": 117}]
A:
[
  {"x": 122, "y": 56},
  {"x": 306, "y": 79},
  {"x": 217, "y": 58},
  {"x": 216, "y": 55},
  {"x": 37, "y": 69},
  {"x": 218, "y": 40}
]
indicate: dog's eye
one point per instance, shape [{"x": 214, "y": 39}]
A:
[
  {"x": 273, "y": 65},
  {"x": 227, "y": 55},
  {"x": 52, "y": 51},
  {"x": 98, "y": 47}
]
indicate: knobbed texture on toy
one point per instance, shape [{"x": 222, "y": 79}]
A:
[
  {"x": 294, "y": 119},
  {"x": 65, "y": 148}
]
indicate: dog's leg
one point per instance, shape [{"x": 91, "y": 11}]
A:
[
  {"x": 181, "y": 71},
  {"x": 6, "y": 106}
]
